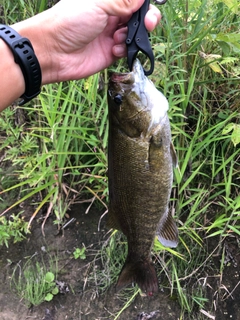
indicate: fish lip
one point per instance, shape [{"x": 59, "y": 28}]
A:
[{"x": 127, "y": 78}]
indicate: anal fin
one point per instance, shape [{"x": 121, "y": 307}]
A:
[{"x": 112, "y": 221}]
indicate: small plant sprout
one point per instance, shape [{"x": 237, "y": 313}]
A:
[
  {"x": 79, "y": 253},
  {"x": 50, "y": 286}
]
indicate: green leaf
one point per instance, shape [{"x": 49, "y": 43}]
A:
[
  {"x": 229, "y": 127},
  {"x": 235, "y": 136},
  {"x": 231, "y": 4},
  {"x": 49, "y": 277},
  {"x": 49, "y": 297},
  {"x": 55, "y": 291},
  {"x": 79, "y": 253},
  {"x": 230, "y": 38}
]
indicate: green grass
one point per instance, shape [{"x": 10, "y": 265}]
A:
[
  {"x": 34, "y": 281},
  {"x": 66, "y": 143},
  {"x": 60, "y": 149}
]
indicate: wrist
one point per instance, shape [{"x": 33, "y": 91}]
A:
[
  {"x": 38, "y": 30},
  {"x": 10, "y": 88},
  {"x": 24, "y": 56}
]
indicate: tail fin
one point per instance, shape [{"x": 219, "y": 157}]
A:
[{"x": 140, "y": 272}]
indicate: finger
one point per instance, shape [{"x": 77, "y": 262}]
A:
[
  {"x": 120, "y": 8},
  {"x": 120, "y": 36},
  {"x": 120, "y": 50},
  {"x": 152, "y": 18}
]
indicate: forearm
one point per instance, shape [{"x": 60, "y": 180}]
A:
[{"x": 12, "y": 85}]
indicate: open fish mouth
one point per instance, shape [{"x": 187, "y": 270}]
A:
[
  {"x": 127, "y": 78},
  {"x": 130, "y": 77}
]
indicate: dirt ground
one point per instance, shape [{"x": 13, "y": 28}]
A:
[{"x": 83, "y": 301}]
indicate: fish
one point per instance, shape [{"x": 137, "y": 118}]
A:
[{"x": 141, "y": 158}]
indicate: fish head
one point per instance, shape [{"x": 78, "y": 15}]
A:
[
  {"x": 123, "y": 99},
  {"x": 134, "y": 102}
]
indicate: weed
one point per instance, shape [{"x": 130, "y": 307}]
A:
[
  {"x": 79, "y": 253},
  {"x": 14, "y": 228},
  {"x": 50, "y": 286},
  {"x": 33, "y": 281},
  {"x": 111, "y": 259},
  {"x": 67, "y": 144}
]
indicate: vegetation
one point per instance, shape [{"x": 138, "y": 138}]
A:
[
  {"x": 79, "y": 253},
  {"x": 34, "y": 281},
  {"x": 12, "y": 228},
  {"x": 58, "y": 149}
]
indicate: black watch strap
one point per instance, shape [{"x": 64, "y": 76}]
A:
[{"x": 24, "y": 56}]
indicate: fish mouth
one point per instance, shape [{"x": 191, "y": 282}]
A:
[{"x": 129, "y": 77}]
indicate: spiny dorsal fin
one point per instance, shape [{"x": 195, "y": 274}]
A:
[
  {"x": 167, "y": 232},
  {"x": 174, "y": 155}
]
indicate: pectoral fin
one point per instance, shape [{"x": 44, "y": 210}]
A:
[
  {"x": 173, "y": 155},
  {"x": 167, "y": 232}
]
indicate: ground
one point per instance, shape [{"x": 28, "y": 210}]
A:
[
  {"x": 223, "y": 290},
  {"x": 80, "y": 302},
  {"x": 84, "y": 301}
]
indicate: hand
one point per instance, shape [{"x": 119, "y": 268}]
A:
[{"x": 78, "y": 38}]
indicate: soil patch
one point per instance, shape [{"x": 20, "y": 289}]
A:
[{"x": 82, "y": 299}]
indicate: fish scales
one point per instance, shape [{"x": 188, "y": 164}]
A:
[
  {"x": 140, "y": 173},
  {"x": 135, "y": 188}
]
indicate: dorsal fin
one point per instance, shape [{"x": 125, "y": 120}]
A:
[{"x": 167, "y": 232}]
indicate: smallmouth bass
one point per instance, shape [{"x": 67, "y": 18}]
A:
[{"x": 140, "y": 172}]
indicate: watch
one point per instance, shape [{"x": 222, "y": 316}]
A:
[{"x": 25, "y": 57}]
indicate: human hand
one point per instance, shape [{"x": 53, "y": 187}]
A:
[{"x": 79, "y": 38}]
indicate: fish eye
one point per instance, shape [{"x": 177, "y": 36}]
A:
[{"x": 118, "y": 99}]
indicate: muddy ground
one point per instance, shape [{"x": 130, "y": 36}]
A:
[{"x": 84, "y": 301}]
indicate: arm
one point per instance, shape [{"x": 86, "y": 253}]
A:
[
  {"x": 12, "y": 84},
  {"x": 72, "y": 40}
]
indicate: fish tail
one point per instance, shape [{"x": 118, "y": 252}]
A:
[{"x": 141, "y": 272}]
